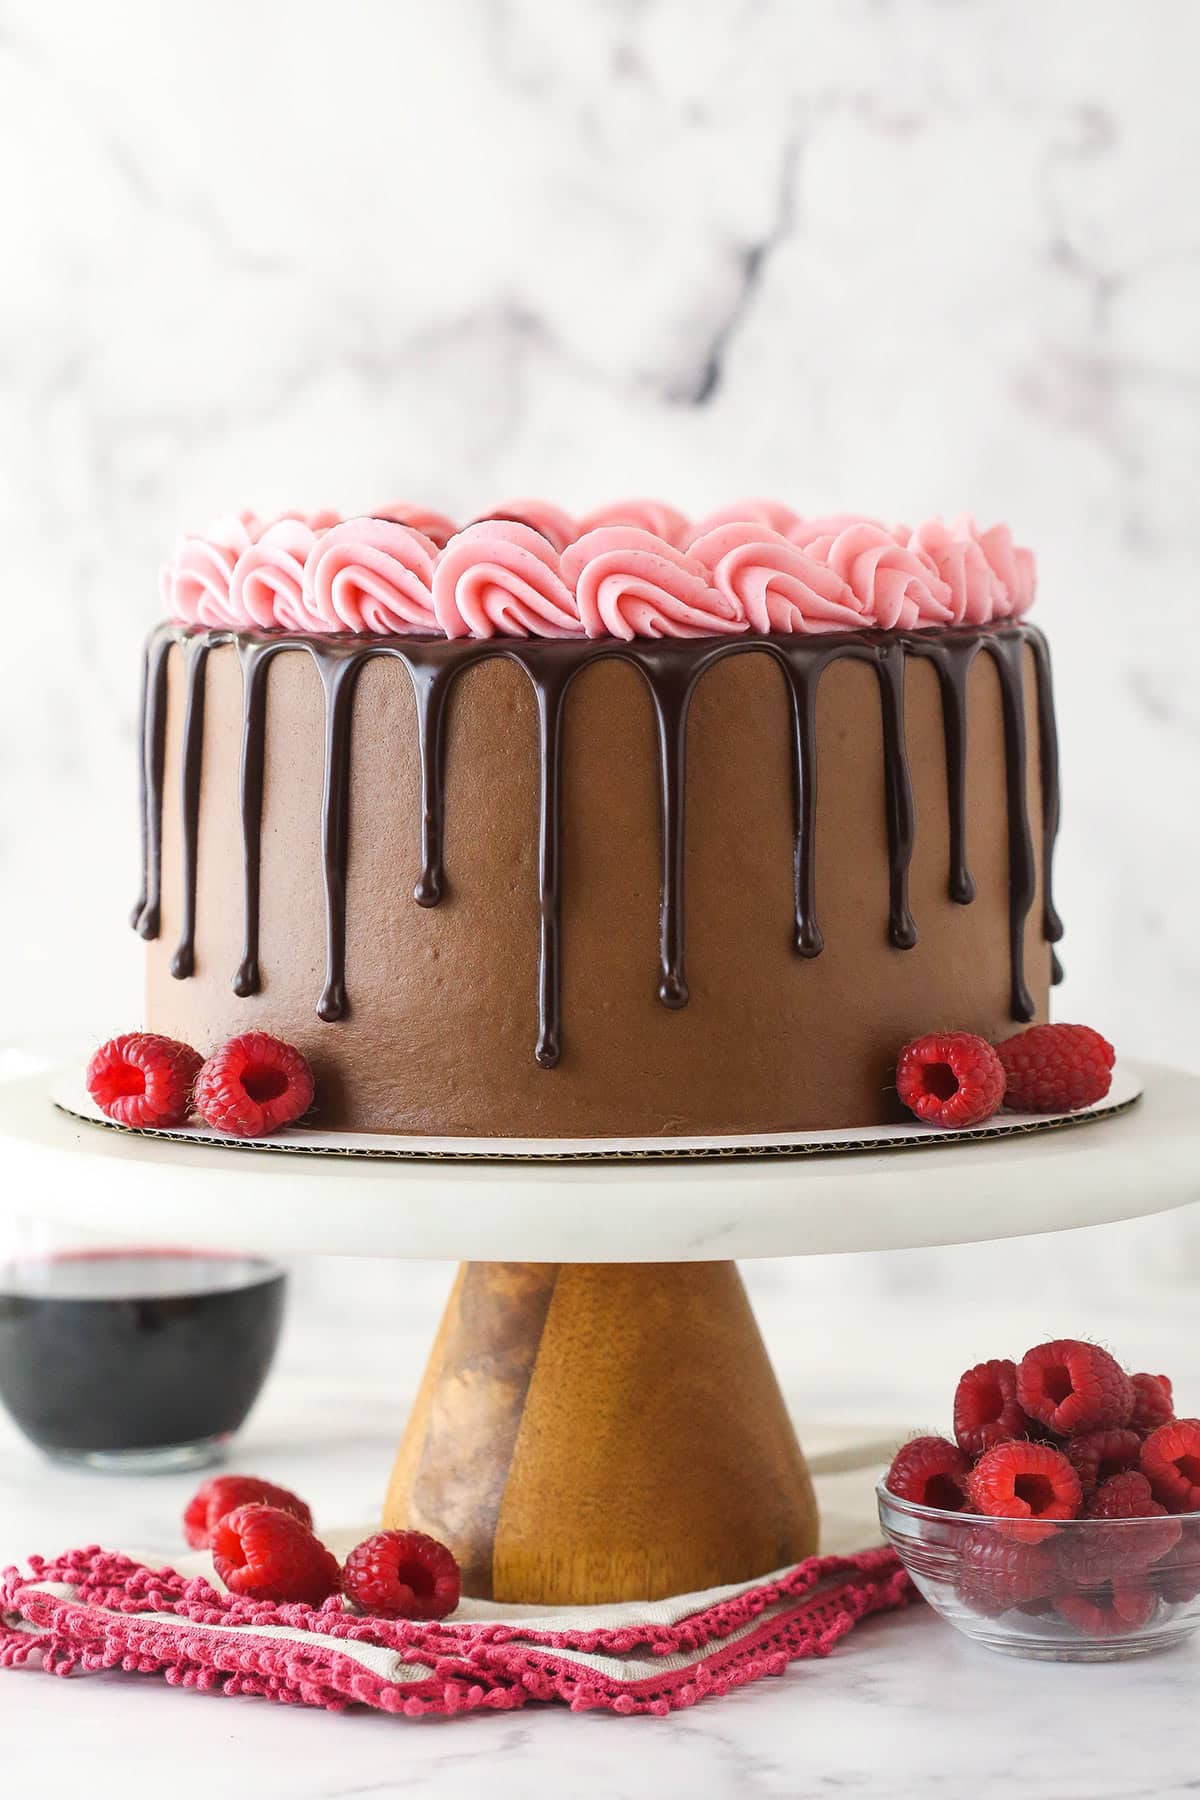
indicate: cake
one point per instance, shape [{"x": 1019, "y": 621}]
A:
[{"x": 619, "y": 826}]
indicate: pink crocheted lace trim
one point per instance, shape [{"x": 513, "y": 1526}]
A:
[{"x": 103, "y": 1624}]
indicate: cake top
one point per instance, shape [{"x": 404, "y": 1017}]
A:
[{"x": 635, "y": 569}]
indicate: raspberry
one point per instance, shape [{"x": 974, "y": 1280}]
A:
[
  {"x": 996, "y": 1572},
  {"x": 950, "y": 1078},
  {"x": 1109, "y": 1610},
  {"x": 1029, "y": 1483},
  {"x": 986, "y": 1411},
  {"x": 143, "y": 1079},
  {"x": 224, "y": 1494},
  {"x": 1073, "y": 1387},
  {"x": 1090, "y": 1558},
  {"x": 1178, "y": 1574},
  {"x": 1124, "y": 1496},
  {"x": 1153, "y": 1403},
  {"x": 263, "y": 1553},
  {"x": 1129, "y": 1496},
  {"x": 403, "y": 1575},
  {"x": 1055, "y": 1068},
  {"x": 1109, "y": 1451},
  {"x": 930, "y": 1471},
  {"x": 1171, "y": 1464},
  {"x": 253, "y": 1084}
]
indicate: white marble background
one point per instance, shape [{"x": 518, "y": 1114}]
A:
[{"x": 904, "y": 255}]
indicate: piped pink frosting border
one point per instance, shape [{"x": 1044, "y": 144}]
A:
[{"x": 637, "y": 568}]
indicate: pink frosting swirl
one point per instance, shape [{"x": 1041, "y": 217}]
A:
[
  {"x": 977, "y": 593},
  {"x": 772, "y": 513},
  {"x": 540, "y": 515},
  {"x": 629, "y": 583},
  {"x": 806, "y": 531},
  {"x": 267, "y": 588},
  {"x": 195, "y": 583},
  {"x": 897, "y": 586},
  {"x": 655, "y": 516},
  {"x": 1012, "y": 564},
  {"x": 502, "y": 577},
  {"x": 370, "y": 576},
  {"x": 430, "y": 524},
  {"x": 776, "y": 584}
]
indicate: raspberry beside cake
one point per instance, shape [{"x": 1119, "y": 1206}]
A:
[{"x": 614, "y": 827}]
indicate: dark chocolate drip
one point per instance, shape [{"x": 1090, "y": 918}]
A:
[
  {"x": 803, "y": 675},
  {"x": 255, "y": 659},
  {"x": 671, "y": 702},
  {"x": 671, "y": 671},
  {"x": 551, "y": 692},
  {"x": 431, "y": 684},
  {"x": 1052, "y": 926},
  {"x": 147, "y": 913},
  {"x": 952, "y": 658},
  {"x": 898, "y": 786},
  {"x": 1007, "y": 650},
  {"x": 139, "y": 905},
  {"x": 339, "y": 675},
  {"x": 184, "y": 960}
]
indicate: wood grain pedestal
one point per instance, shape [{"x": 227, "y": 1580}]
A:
[{"x": 602, "y": 1431}]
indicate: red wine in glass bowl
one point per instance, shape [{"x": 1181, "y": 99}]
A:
[{"x": 136, "y": 1359}]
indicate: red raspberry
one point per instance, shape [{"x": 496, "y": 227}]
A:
[
  {"x": 403, "y": 1575},
  {"x": 1110, "y": 1610},
  {"x": 224, "y": 1494},
  {"x": 1171, "y": 1464},
  {"x": 1029, "y": 1483},
  {"x": 1055, "y": 1068},
  {"x": 1073, "y": 1387},
  {"x": 1097, "y": 1455},
  {"x": 950, "y": 1078},
  {"x": 263, "y": 1553},
  {"x": 1090, "y": 1558},
  {"x": 1178, "y": 1574},
  {"x": 986, "y": 1411},
  {"x": 930, "y": 1471},
  {"x": 143, "y": 1079},
  {"x": 1153, "y": 1402},
  {"x": 996, "y": 1572},
  {"x": 253, "y": 1084}
]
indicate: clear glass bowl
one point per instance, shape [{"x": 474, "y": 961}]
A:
[{"x": 1074, "y": 1590}]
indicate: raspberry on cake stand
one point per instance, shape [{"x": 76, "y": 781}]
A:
[{"x": 599, "y": 1419}]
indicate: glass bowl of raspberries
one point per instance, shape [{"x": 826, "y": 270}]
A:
[{"x": 1062, "y": 1521}]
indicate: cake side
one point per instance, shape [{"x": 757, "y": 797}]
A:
[{"x": 447, "y": 1006}]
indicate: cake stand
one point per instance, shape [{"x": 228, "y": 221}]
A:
[{"x": 599, "y": 1419}]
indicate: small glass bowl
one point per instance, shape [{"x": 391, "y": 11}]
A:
[{"x": 1071, "y": 1590}]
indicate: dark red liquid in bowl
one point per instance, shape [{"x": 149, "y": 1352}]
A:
[{"x": 135, "y": 1351}]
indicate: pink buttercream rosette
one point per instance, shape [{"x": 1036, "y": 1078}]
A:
[
  {"x": 435, "y": 525},
  {"x": 501, "y": 578},
  {"x": 656, "y": 516},
  {"x": 555, "y": 525},
  {"x": 195, "y": 583},
  {"x": 751, "y": 511},
  {"x": 775, "y": 584},
  {"x": 896, "y": 585},
  {"x": 629, "y": 583},
  {"x": 371, "y": 577}
]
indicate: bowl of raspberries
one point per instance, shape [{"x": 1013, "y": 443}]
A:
[{"x": 1062, "y": 1520}]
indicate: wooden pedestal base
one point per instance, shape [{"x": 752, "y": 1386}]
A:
[{"x": 595, "y": 1431}]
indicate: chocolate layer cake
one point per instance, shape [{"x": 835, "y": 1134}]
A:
[{"x": 621, "y": 826}]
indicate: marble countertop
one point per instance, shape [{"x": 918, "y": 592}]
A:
[{"x": 903, "y": 1707}]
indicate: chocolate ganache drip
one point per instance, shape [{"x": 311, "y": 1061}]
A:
[{"x": 671, "y": 671}]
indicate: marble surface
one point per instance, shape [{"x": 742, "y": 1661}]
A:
[{"x": 903, "y": 1708}]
